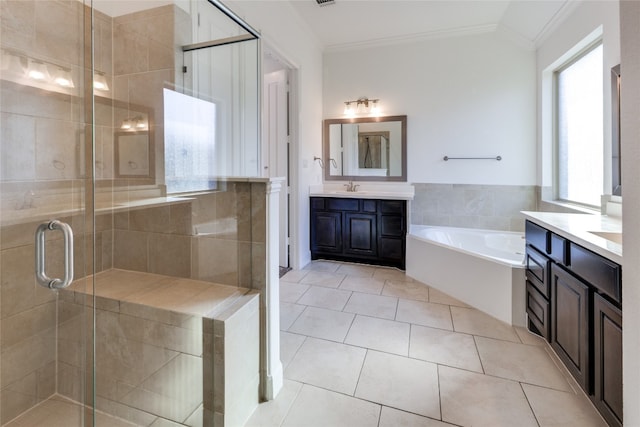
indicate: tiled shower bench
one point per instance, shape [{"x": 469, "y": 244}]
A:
[{"x": 182, "y": 350}]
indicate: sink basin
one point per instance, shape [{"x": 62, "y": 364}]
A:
[{"x": 609, "y": 235}]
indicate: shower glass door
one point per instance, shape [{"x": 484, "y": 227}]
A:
[{"x": 46, "y": 190}]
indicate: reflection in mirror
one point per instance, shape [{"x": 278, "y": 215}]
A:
[
  {"x": 132, "y": 154},
  {"x": 616, "y": 160},
  {"x": 368, "y": 148}
]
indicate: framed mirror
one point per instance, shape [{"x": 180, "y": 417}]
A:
[
  {"x": 365, "y": 149},
  {"x": 132, "y": 154}
]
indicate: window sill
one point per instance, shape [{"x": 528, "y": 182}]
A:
[{"x": 573, "y": 207}]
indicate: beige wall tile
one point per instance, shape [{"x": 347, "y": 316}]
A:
[
  {"x": 27, "y": 356},
  {"x": 28, "y": 323},
  {"x": 258, "y": 212},
  {"x": 215, "y": 260},
  {"x": 130, "y": 250},
  {"x": 17, "y": 19},
  {"x": 57, "y": 148},
  {"x": 494, "y": 207},
  {"x": 130, "y": 49},
  {"x": 103, "y": 42},
  {"x": 35, "y": 103},
  {"x": 63, "y": 42},
  {"x": 170, "y": 254},
  {"x": 18, "y": 144},
  {"x": 18, "y": 397},
  {"x": 154, "y": 219}
]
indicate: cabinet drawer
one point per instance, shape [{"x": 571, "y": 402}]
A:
[
  {"x": 337, "y": 204},
  {"x": 558, "y": 246},
  {"x": 317, "y": 203},
  {"x": 538, "y": 271},
  {"x": 538, "y": 311},
  {"x": 602, "y": 274},
  {"x": 369, "y": 205},
  {"x": 392, "y": 206},
  {"x": 537, "y": 237}
]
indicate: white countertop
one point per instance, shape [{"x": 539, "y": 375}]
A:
[
  {"x": 580, "y": 228},
  {"x": 365, "y": 190}
]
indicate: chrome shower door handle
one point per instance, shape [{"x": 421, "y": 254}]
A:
[{"x": 41, "y": 275}]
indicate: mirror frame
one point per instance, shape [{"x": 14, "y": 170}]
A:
[{"x": 326, "y": 148}]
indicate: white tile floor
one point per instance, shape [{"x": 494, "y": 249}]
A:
[{"x": 367, "y": 346}]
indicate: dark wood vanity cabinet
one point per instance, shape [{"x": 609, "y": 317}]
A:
[
  {"x": 570, "y": 307},
  {"x": 359, "y": 230},
  {"x": 607, "y": 342},
  {"x": 574, "y": 299}
]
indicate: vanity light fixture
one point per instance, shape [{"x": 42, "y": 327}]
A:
[
  {"x": 137, "y": 123},
  {"x": 25, "y": 70},
  {"x": 100, "y": 82},
  {"x": 362, "y": 106}
]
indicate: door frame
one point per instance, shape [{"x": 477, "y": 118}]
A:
[{"x": 291, "y": 183}]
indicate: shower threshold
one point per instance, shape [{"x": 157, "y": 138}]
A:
[{"x": 58, "y": 411}]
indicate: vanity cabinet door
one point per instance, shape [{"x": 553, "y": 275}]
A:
[
  {"x": 607, "y": 328},
  {"x": 360, "y": 234},
  {"x": 326, "y": 232},
  {"x": 570, "y": 323}
]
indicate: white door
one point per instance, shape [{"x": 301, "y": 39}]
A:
[{"x": 276, "y": 148}]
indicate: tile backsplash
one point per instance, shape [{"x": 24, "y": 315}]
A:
[{"x": 493, "y": 207}]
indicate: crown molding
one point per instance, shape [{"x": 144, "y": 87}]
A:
[
  {"x": 412, "y": 38},
  {"x": 560, "y": 16}
]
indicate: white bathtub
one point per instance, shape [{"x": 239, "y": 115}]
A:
[{"x": 483, "y": 268}]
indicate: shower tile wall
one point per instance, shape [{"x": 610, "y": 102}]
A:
[
  {"x": 217, "y": 237},
  {"x": 137, "y": 54},
  {"x": 42, "y": 137},
  {"x": 493, "y": 207}
]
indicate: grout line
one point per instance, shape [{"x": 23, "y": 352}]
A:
[
  {"x": 439, "y": 392},
  {"x": 350, "y": 326},
  {"x": 535, "y": 417},
  {"x": 293, "y": 401},
  {"x": 366, "y": 354},
  {"x": 479, "y": 357}
]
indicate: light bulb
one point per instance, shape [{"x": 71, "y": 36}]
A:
[
  {"x": 375, "y": 108},
  {"x": 347, "y": 109},
  {"x": 100, "y": 82},
  {"x": 62, "y": 77},
  {"x": 126, "y": 125},
  {"x": 37, "y": 70}
]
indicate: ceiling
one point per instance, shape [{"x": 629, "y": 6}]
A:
[
  {"x": 356, "y": 23},
  {"x": 349, "y": 24}
]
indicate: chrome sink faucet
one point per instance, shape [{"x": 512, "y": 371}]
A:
[{"x": 351, "y": 187}]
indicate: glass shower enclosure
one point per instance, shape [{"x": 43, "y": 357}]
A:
[{"x": 126, "y": 236}]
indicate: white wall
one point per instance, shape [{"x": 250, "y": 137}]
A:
[
  {"x": 582, "y": 21},
  {"x": 463, "y": 96},
  {"x": 295, "y": 43},
  {"x": 630, "y": 111}
]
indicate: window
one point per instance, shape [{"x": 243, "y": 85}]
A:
[
  {"x": 579, "y": 131},
  {"x": 189, "y": 143}
]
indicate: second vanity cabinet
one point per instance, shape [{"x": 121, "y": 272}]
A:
[
  {"x": 574, "y": 300},
  {"x": 360, "y": 230}
]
